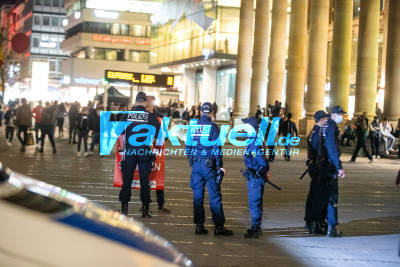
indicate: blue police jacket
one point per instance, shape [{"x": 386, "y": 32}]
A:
[
  {"x": 313, "y": 143},
  {"x": 254, "y": 157},
  {"x": 207, "y": 129},
  {"x": 330, "y": 132}
]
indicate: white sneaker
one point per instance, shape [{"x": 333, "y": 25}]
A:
[
  {"x": 78, "y": 154},
  {"x": 86, "y": 154},
  {"x": 373, "y": 157},
  {"x": 387, "y": 153},
  {"x": 9, "y": 144},
  {"x": 378, "y": 157}
]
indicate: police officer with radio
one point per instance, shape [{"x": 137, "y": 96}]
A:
[
  {"x": 330, "y": 165},
  {"x": 317, "y": 200},
  {"x": 207, "y": 166},
  {"x": 137, "y": 153}
]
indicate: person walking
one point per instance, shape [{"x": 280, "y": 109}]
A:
[
  {"x": 23, "y": 122},
  {"x": 362, "y": 135},
  {"x": 37, "y": 115},
  {"x": 9, "y": 121},
  {"x": 47, "y": 126}
]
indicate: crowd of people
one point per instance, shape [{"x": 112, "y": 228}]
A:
[{"x": 19, "y": 115}]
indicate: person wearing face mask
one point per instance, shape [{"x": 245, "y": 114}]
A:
[{"x": 330, "y": 165}]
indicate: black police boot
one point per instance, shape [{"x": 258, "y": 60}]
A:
[
  {"x": 253, "y": 232},
  {"x": 201, "y": 230},
  {"x": 316, "y": 229},
  {"x": 222, "y": 230},
  {"x": 124, "y": 208},
  {"x": 332, "y": 232},
  {"x": 163, "y": 209},
  {"x": 146, "y": 213}
]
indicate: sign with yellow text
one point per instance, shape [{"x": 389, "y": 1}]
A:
[{"x": 138, "y": 78}]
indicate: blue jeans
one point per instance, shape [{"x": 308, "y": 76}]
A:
[
  {"x": 202, "y": 176},
  {"x": 255, "y": 188}
]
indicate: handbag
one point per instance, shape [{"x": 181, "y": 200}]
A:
[{"x": 30, "y": 141}]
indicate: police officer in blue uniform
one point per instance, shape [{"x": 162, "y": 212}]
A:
[
  {"x": 317, "y": 198},
  {"x": 257, "y": 172},
  {"x": 137, "y": 155},
  {"x": 207, "y": 165},
  {"x": 330, "y": 165}
]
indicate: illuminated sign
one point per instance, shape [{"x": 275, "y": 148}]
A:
[
  {"x": 111, "y": 39},
  {"x": 142, "y": 41},
  {"x": 137, "y": 78},
  {"x": 40, "y": 80},
  {"x": 106, "y": 14}
]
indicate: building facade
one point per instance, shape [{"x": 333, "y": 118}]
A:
[
  {"x": 41, "y": 21},
  {"x": 208, "y": 58},
  {"x": 102, "y": 37}
]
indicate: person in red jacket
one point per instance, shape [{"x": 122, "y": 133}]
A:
[{"x": 37, "y": 115}]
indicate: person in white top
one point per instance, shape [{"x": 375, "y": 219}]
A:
[{"x": 386, "y": 130}]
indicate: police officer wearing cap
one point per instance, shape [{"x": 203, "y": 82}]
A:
[
  {"x": 331, "y": 168},
  {"x": 258, "y": 172},
  {"x": 138, "y": 155},
  {"x": 317, "y": 200},
  {"x": 206, "y": 167}
]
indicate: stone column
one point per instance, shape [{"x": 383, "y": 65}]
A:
[
  {"x": 341, "y": 53},
  {"x": 317, "y": 51},
  {"x": 384, "y": 44},
  {"x": 392, "y": 90},
  {"x": 258, "y": 94},
  {"x": 209, "y": 89},
  {"x": 242, "y": 87},
  {"x": 277, "y": 54},
  {"x": 367, "y": 57},
  {"x": 296, "y": 58}
]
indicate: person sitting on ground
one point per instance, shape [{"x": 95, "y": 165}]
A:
[
  {"x": 348, "y": 134},
  {"x": 387, "y": 136},
  {"x": 397, "y": 130}
]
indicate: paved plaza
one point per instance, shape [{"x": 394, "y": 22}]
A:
[{"x": 369, "y": 209}]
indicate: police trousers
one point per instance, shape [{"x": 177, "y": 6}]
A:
[
  {"x": 255, "y": 188},
  {"x": 332, "y": 213},
  {"x": 200, "y": 177},
  {"x": 128, "y": 167},
  {"x": 317, "y": 198}
]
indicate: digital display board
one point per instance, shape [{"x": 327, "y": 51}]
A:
[{"x": 138, "y": 78}]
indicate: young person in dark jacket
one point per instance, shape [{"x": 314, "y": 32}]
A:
[
  {"x": 47, "y": 126},
  {"x": 23, "y": 121},
  {"x": 9, "y": 120},
  {"x": 83, "y": 130}
]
